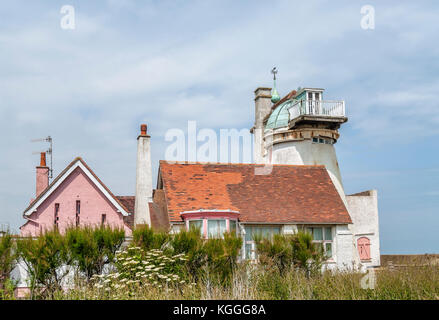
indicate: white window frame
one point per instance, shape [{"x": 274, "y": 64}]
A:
[
  {"x": 252, "y": 243},
  {"x": 323, "y": 241}
]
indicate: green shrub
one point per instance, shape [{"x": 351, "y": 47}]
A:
[
  {"x": 91, "y": 248},
  {"x": 222, "y": 255},
  {"x": 190, "y": 244},
  {"x": 286, "y": 251},
  {"x": 8, "y": 261},
  {"x": 46, "y": 259},
  {"x": 147, "y": 239}
]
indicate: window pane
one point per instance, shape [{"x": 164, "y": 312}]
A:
[
  {"x": 248, "y": 233},
  {"x": 328, "y": 234},
  {"x": 317, "y": 234},
  {"x": 328, "y": 249},
  {"x": 197, "y": 224},
  {"x": 216, "y": 228},
  {"x": 248, "y": 251},
  {"x": 232, "y": 226},
  {"x": 222, "y": 227}
]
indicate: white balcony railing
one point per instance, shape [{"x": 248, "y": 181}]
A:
[{"x": 317, "y": 107}]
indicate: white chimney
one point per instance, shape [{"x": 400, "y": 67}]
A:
[
  {"x": 262, "y": 109},
  {"x": 143, "y": 179}
]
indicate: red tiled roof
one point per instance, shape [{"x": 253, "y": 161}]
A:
[{"x": 290, "y": 194}]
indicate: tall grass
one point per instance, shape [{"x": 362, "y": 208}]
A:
[
  {"x": 185, "y": 266},
  {"x": 254, "y": 282}
]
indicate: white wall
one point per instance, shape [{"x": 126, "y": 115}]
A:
[
  {"x": 363, "y": 210},
  {"x": 305, "y": 152}
]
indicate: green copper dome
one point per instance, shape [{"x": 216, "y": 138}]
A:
[{"x": 280, "y": 116}]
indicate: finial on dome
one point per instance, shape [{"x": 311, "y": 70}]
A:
[{"x": 274, "y": 95}]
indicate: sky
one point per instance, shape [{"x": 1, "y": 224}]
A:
[{"x": 166, "y": 62}]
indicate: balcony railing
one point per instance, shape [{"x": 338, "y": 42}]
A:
[{"x": 327, "y": 108}]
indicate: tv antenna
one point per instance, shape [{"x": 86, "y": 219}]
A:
[{"x": 49, "y": 151}]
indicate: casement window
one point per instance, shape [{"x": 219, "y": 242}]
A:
[
  {"x": 103, "y": 219},
  {"x": 78, "y": 211},
  {"x": 56, "y": 215},
  {"x": 322, "y": 236},
  {"x": 261, "y": 231}
]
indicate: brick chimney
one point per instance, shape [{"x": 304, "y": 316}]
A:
[
  {"x": 42, "y": 175},
  {"x": 143, "y": 179}
]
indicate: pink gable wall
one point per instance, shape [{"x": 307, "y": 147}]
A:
[{"x": 77, "y": 186}]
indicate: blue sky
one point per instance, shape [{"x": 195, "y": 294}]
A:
[{"x": 167, "y": 62}]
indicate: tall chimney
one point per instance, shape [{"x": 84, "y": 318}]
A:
[
  {"x": 143, "y": 179},
  {"x": 42, "y": 175},
  {"x": 262, "y": 109}
]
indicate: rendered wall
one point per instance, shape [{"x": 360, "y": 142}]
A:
[{"x": 363, "y": 209}]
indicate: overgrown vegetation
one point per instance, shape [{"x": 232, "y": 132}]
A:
[
  {"x": 8, "y": 257},
  {"x": 284, "y": 252},
  {"x": 90, "y": 249},
  {"x": 156, "y": 265}
]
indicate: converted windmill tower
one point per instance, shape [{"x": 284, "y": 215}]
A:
[{"x": 299, "y": 129}]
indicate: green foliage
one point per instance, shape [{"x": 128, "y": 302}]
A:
[
  {"x": 44, "y": 257},
  {"x": 306, "y": 254},
  {"x": 191, "y": 244},
  {"x": 146, "y": 238},
  {"x": 213, "y": 258},
  {"x": 222, "y": 255},
  {"x": 285, "y": 251},
  {"x": 92, "y": 248},
  {"x": 8, "y": 260}
]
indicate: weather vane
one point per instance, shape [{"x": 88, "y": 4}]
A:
[{"x": 274, "y": 71}]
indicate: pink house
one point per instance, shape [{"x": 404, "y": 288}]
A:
[{"x": 77, "y": 197}]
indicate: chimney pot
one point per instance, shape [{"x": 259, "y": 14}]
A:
[
  {"x": 43, "y": 159},
  {"x": 143, "y": 129},
  {"x": 42, "y": 175}
]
